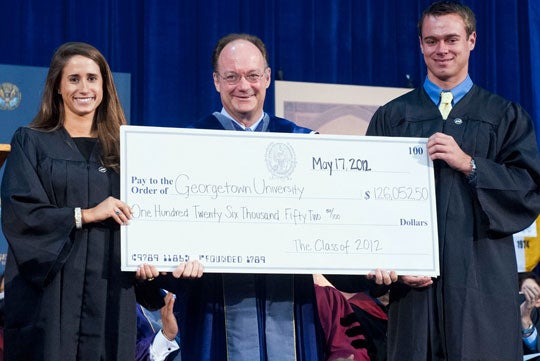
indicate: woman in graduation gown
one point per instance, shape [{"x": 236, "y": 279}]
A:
[{"x": 66, "y": 298}]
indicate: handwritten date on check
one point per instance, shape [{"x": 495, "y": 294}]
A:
[{"x": 245, "y": 202}]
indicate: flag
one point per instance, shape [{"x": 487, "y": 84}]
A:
[{"x": 527, "y": 246}]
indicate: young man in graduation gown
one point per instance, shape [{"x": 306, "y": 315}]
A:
[
  {"x": 247, "y": 317},
  {"x": 487, "y": 174}
]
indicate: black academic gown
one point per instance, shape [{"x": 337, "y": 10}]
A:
[
  {"x": 66, "y": 298},
  {"x": 471, "y": 312}
]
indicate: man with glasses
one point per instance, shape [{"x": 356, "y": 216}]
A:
[
  {"x": 241, "y": 77},
  {"x": 239, "y": 317}
]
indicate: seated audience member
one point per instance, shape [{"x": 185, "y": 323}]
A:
[
  {"x": 354, "y": 324},
  {"x": 530, "y": 312},
  {"x": 339, "y": 336},
  {"x": 157, "y": 333},
  {"x": 372, "y": 314}
]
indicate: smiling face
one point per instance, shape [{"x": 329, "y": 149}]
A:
[
  {"x": 81, "y": 87},
  {"x": 446, "y": 49},
  {"x": 244, "y": 100}
]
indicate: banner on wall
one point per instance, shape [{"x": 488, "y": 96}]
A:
[
  {"x": 527, "y": 245},
  {"x": 20, "y": 95}
]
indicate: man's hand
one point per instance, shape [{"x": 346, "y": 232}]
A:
[
  {"x": 444, "y": 147},
  {"x": 146, "y": 272},
  {"x": 190, "y": 269},
  {"x": 381, "y": 276},
  {"x": 168, "y": 320},
  {"x": 416, "y": 281}
]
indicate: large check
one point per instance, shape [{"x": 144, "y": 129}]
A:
[{"x": 248, "y": 202}]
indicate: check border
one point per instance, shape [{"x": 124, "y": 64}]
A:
[{"x": 142, "y": 147}]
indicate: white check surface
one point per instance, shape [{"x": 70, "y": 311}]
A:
[{"x": 247, "y": 202}]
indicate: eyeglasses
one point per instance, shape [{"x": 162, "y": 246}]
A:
[{"x": 233, "y": 78}]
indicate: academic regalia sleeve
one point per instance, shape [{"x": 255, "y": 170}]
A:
[
  {"x": 142, "y": 349},
  {"x": 375, "y": 126},
  {"x": 38, "y": 233},
  {"x": 508, "y": 187},
  {"x": 388, "y": 120},
  {"x": 145, "y": 336}
]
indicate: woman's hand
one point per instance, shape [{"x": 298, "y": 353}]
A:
[{"x": 108, "y": 208}]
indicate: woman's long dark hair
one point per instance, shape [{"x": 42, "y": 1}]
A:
[{"x": 109, "y": 114}]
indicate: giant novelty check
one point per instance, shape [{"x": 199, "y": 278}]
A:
[{"x": 248, "y": 202}]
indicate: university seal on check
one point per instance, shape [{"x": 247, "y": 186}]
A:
[{"x": 280, "y": 159}]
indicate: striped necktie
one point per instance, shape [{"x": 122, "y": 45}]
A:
[{"x": 446, "y": 104}]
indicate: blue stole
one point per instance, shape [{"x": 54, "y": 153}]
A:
[{"x": 259, "y": 309}]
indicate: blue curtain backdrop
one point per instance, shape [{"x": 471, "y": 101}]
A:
[{"x": 166, "y": 45}]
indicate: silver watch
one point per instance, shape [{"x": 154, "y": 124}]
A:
[{"x": 473, "y": 165}]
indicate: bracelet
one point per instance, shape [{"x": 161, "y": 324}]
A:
[
  {"x": 528, "y": 331},
  {"x": 78, "y": 218}
]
